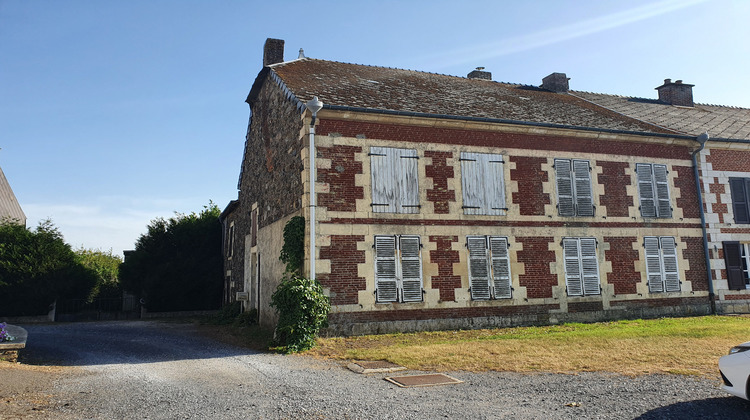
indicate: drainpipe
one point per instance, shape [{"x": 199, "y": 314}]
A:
[
  {"x": 702, "y": 139},
  {"x": 314, "y": 105}
]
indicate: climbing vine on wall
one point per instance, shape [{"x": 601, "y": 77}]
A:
[{"x": 293, "y": 250}]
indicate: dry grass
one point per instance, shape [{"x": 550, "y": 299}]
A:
[{"x": 669, "y": 345}]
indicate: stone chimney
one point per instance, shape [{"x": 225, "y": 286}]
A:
[
  {"x": 556, "y": 82},
  {"x": 677, "y": 93},
  {"x": 273, "y": 51},
  {"x": 479, "y": 73}
]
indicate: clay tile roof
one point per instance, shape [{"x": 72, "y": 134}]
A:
[
  {"x": 381, "y": 88},
  {"x": 721, "y": 122}
]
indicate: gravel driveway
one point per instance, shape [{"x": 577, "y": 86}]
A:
[{"x": 155, "y": 370}]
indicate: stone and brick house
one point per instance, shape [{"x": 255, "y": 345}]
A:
[
  {"x": 450, "y": 202},
  {"x": 10, "y": 209},
  {"x": 724, "y": 167}
]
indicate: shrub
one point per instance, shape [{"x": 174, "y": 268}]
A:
[{"x": 303, "y": 310}]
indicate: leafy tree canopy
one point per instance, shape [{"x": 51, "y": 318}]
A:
[
  {"x": 37, "y": 267},
  {"x": 177, "y": 264},
  {"x": 106, "y": 265}
]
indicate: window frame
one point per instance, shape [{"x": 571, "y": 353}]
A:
[
  {"x": 489, "y": 270},
  {"x": 398, "y": 274},
  {"x": 661, "y": 265},
  {"x": 394, "y": 175},
  {"x": 483, "y": 193},
  {"x": 651, "y": 188},
  {"x": 580, "y": 283},
  {"x": 740, "y": 208},
  {"x": 571, "y": 188}
]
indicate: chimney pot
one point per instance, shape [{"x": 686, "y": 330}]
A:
[
  {"x": 273, "y": 51},
  {"x": 667, "y": 81},
  {"x": 556, "y": 82}
]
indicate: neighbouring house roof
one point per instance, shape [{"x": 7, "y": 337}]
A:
[
  {"x": 388, "y": 89},
  {"x": 9, "y": 207},
  {"x": 721, "y": 122}
]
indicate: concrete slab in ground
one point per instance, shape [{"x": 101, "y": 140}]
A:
[
  {"x": 377, "y": 366},
  {"x": 431, "y": 379}
]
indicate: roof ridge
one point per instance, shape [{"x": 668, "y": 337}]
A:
[{"x": 656, "y": 99}]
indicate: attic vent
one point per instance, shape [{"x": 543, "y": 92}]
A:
[{"x": 479, "y": 73}]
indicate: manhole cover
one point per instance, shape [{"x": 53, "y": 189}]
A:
[
  {"x": 423, "y": 380},
  {"x": 377, "y": 366}
]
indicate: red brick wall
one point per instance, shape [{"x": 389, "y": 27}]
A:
[
  {"x": 529, "y": 174},
  {"x": 615, "y": 181},
  {"x": 536, "y": 258},
  {"x": 417, "y": 134},
  {"x": 343, "y": 280},
  {"x": 717, "y": 188},
  {"x": 622, "y": 256},
  {"x": 576, "y": 307},
  {"x": 445, "y": 257},
  {"x": 729, "y": 160},
  {"x": 697, "y": 272},
  {"x": 440, "y": 172},
  {"x": 343, "y": 191},
  {"x": 688, "y": 200}
]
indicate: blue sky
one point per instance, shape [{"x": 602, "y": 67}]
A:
[{"x": 113, "y": 113}]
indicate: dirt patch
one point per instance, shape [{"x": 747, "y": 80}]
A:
[{"x": 26, "y": 390}]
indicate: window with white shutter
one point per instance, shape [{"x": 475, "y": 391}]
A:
[
  {"x": 653, "y": 190},
  {"x": 661, "y": 264},
  {"x": 489, "y": 267},
  {"x": 395, "y": 184},
  {"x": 574, "y": 191},
  {"x": 398, "y": 268},
  {"x": 581, "y": 266},
  {"x": 483, "y": 183}
]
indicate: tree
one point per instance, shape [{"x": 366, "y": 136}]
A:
[
  {"x": 177, "y": 264},
  {"x": 37, "y": 267},
  {"x": 106, "y": 265}
]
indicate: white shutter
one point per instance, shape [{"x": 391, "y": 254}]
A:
[
  {"x": 383, "y": 180},
  {"x": 411, "y": 269},
  {"x": 479, "y": 276},
  {"x": 407, "y": 181},
  {"x": 572, "y": 267},
  {"x": 494, "y": 184},
  {"x": 564, "y": 180},
  {"x": 472, "y": 184},
  {"x": 583, "y": 194},
  {"x": 653, "y": 264},
  {"x": 646, "y": 189},
  {"x": 385, "y": 269},
  {"x": 589, "y": 267},
  {"x": 500, "y": 267},
  {"x": 661, "y": 185},
  {"x": 669, "y": 258}
]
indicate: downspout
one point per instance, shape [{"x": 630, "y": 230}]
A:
[
  {"x": 314, "y": 105},
  {"x": 702, "y": 139}
]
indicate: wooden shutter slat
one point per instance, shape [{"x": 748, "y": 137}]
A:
[
  {"x": 502, "y": 288},
  {"x": 573, "y": 279},
  {"x": 407, "y": 182},
  {"x": 740, "y": 206},
  {"x": 646, "y": 189},
  {"x": 385, "y": 269},
  {"x": 564, "y": 181},
  {"x": 471, "y": 183},
  {"x": 661, "y": 186},
  {"x": 669, "y": 263},
  {"x": 381, "y": 174},
  {"x": 583, "y": 194},
  {"x": 411, "y": 269},
  {"x": 479, "y": 278},
  {"x": 494, "y": 184},
  {"x": 653, "y": 264}
]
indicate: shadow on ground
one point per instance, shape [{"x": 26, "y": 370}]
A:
[{"x": 710, "y": 408}]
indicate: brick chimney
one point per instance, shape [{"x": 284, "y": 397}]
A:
[
  {"x": 677, "y": 93},
  {"x": 556, "y": 82},
  {"x": 273, "y": 51},
  {"x": 479, "y": 73}
]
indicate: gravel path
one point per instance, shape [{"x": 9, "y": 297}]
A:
[{"x": 153, "y": 370}]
